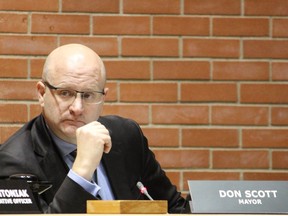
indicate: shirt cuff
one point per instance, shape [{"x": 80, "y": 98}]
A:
[{"x": 90, "y": 187}]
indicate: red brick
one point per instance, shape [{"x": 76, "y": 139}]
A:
[
  {"x": 240, "y": 159},
  {"x": 180, "y": 114},
  {"x": 35, "y": 110},
  {"x": 18, "y": 90},
  {"x": 108, "y": 6},
  {"x": 13, "y": 68},
  {"x": 121, "y": 25},
  {"x": 6, "y": 132},
  {"x": 139, "y": 113},
  {"x": 228, "y": 48},
  {"x": 264, "y": 93},
  {"x": 150, "y": 47},
  {"x": 103, "y": 46},
  {"x": 253, "y": 71},
  {"x": 27, "y": 45},
  {"x": 212, "y": 7},
  {"x": 171, "y": 25},
  {"x": 36, "y": 67},
  {"x": 13, "y": 23},
  {"x": 265, "y": 138},
  {"x": 162, "y": 137},
  {"x": 60, "y": 24},
  {"x": 19, "y": 111},
  {"x": 266, "y": 7},
  {"x": 127, "y": 69},
  {"x": 181, "y": 70},
  {"x": 239, "y": 115},
  {"x": 204, "y": 92},
  {"x": 279, "y": 71},
  {"x": 112, "y": 94},
  {"x": 174, "y": 178},
  {"x": 151, "y": 6},
  {"x": 280, "y": 27},
  {"x": 29, "y": 5},
  {"x": 269, "y": 176},
  {"x": 279, "y": 159},
  {"x": 209, "y": 175},
  {"x": 148, "y": 92},
  {"x": 265, "y": 49},
  {"x": 279, "y": 116},
  {"x": 240, "y": 27},
  {"x": 183, "y": 158},
  {"x": 209, "y": 137}
]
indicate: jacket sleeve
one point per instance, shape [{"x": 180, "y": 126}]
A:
[
  {"x": 70, "y": 198},
  {"x": 161, "y": 188}
]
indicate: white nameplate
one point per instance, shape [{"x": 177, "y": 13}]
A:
[{"x": 238, "y": 196}]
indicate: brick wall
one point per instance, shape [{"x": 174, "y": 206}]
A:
[{"x": 206, "y": 79}]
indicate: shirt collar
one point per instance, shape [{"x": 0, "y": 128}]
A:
[{"x": 64, "y": 147}]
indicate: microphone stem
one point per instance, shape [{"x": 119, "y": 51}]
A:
[{"x": 147, "y": 194}]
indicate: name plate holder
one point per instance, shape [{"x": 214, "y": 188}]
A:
[
  {"x": 239, "y": 197},
  {"x": 127, "y": 207}
]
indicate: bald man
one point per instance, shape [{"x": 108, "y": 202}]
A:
[{"x": 112, "y": 152}]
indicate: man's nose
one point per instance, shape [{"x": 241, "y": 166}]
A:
[{"x": 77, "y": 104}]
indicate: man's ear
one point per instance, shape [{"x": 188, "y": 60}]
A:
[
  {"x": 100, "y": 108},
  {"x": 105, "y": 93},
  {"x": 40, "y": 92}
]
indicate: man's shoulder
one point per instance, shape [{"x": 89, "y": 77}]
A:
[
  {"x": 22, "y": 134},
  {"x": 121, "y": 126},
  {"x": 115, "y": 120}
]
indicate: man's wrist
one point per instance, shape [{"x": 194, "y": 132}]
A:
[{"x": 90, "y": 186}]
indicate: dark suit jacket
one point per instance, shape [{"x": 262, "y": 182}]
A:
[{"x": 32, "y": 151}]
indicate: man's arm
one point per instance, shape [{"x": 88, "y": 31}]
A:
[{"x": 70, "y": 198}]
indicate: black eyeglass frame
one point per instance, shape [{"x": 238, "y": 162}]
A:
[{"x": 59, "y": 88}]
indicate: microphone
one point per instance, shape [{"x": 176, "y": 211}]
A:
[
  {"x": 143, "y": 190},
  {"x": 36, "y": 186}
]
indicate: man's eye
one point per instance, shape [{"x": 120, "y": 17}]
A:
[
  {"x": 88, "y": 95},
  {"x": 65, "y": 93}
]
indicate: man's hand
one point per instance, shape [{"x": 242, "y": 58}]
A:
[{"x": 92, "y": 140}]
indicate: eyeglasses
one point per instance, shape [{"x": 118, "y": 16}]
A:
[{"x": 69, "y": 95}]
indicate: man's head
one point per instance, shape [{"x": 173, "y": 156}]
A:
[{"x": 72, "y": 90}]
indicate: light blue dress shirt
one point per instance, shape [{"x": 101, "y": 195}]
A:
[{"x": 102, "y": 187}]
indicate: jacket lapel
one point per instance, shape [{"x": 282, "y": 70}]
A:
[
  {"x": 117, "y": 174},
  {"x": 53, "y": 167}
]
